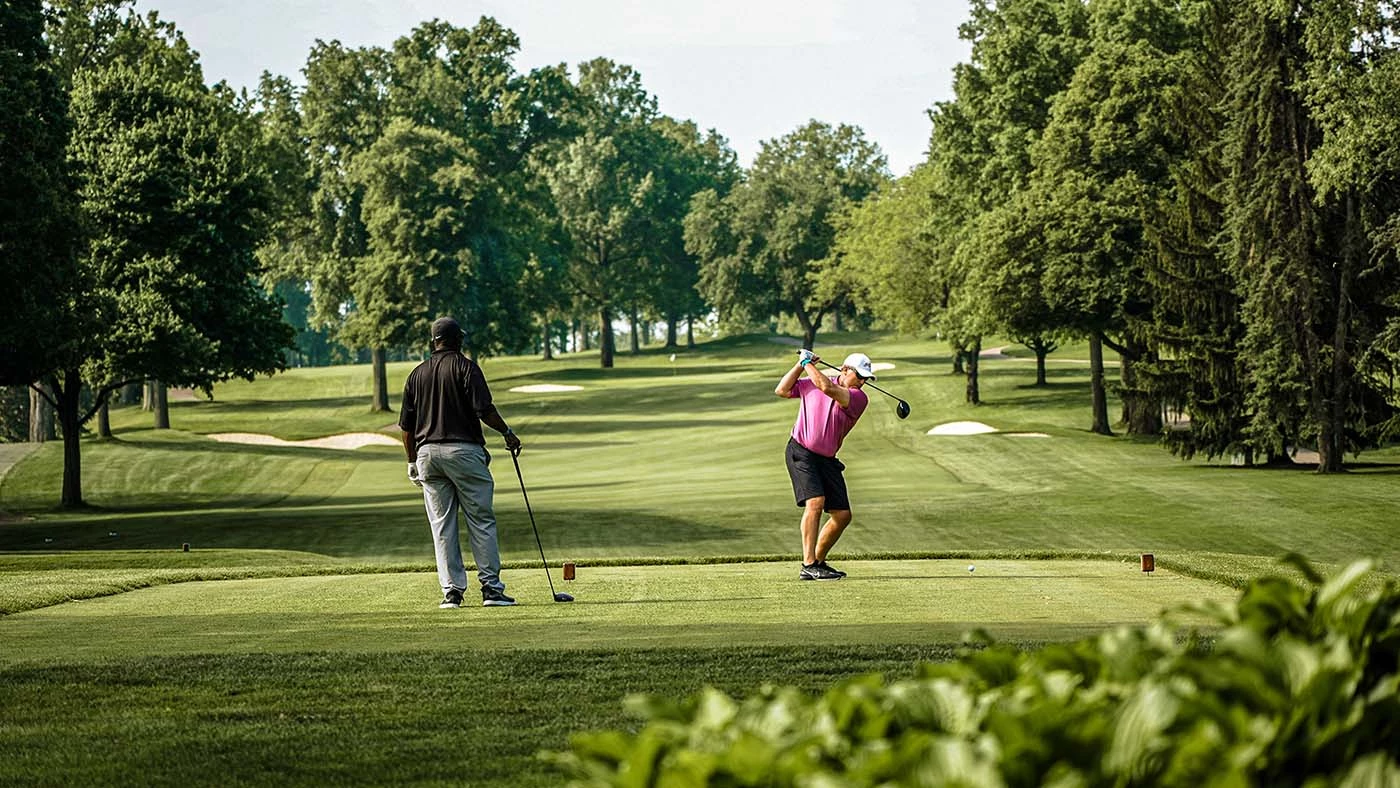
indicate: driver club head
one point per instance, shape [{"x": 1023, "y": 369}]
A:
[
  {"x": 563, "y": 597},
  {"x": 902, "y": 409}
]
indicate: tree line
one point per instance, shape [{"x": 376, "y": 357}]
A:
[{"x": 1207, "y": 188}]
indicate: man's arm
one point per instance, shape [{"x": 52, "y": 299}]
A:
[
  {"x": 495, "y": 422},
  {"x": 410, "y": 446},
  {"x": 789, "y": 380},
  {"x": 836, "y": 391}
]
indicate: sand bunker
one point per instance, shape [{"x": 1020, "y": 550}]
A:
[
  {"x": 348, "y": 440},
  {"x": 978, "y": 428},
  {"x": 962, "y": 428},
  {"x": 545, "y": 388},
  {"x": 881, "y": 366}
]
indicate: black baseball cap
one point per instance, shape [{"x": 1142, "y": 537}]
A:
[{"x": 446, "y": 328}]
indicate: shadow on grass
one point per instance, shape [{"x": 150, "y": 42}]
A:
[
  {"x": 278, "y": 406},
  {"x": 584, "y": 426},
  {"x": 1367, "y": 468},
  {"x": 397, "y": 530}
]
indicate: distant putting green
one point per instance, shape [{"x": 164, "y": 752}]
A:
[{"x": 754, "y": 604}]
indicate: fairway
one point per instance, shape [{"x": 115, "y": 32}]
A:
[
  {"x": 299, "y": 639},
  {"x": 756, "y": 604}
]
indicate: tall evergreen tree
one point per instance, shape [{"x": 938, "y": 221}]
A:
[{"x": 1307, "y": 232}]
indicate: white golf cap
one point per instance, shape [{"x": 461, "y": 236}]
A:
[{"x": 861, "y": 364}]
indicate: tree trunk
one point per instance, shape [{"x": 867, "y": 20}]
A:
[
  {"x": 104, "y": 422},
  {"x": 809, "y": 327},
  {"x": 379, "y": 399},
  {"x": 67, "y": 396},
  {"x": 959, "y": 354},
  {"x": 671, "y": 322},
  {"x": 1142, "y": 414},
  {"x": 1040, "y": 353},
  {"x": 690, "y": 332},
  {"x": 160, "y": 404},
  {"x": 974, "y": 391},
  {"x": 1331, "y": 448},
  {"x": 41, "y": 417},
  {"x": 606, "y": 346},
  {"x": 632, "y": 323},
  {"x": 547, "y": 335},
  {"x": 1096, "y": 387},
  {"x": 148, "y": 396}
]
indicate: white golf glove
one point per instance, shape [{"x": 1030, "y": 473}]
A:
[
  {"x": 805, "y": 356},
  {"x": 413, "y": 474}
]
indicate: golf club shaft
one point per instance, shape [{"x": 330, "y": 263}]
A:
[
  {"x": 533, "y": 527},
  {"x": 871, "y": 385}
]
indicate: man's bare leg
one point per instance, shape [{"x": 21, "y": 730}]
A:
[
  {"x": 811, "y": 520},
  {"x": 840, "y": 518}
]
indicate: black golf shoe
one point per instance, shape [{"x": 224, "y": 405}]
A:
[
  {"x": 453, "y": 598},
  {"x": 819, "y": 571},
  {"x": 831, "y": 568},
  {"x": 490, "y": 597}
]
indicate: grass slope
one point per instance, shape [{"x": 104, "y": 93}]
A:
[{"x": 662, "y": 459}]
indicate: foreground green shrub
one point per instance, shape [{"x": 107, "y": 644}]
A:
[{"x": 1298, "y": 686}]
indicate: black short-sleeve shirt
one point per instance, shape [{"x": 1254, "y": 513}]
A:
[{"x": 445, "y": 399}]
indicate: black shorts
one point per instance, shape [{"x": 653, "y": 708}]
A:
[{"x": 815, "y": 476}]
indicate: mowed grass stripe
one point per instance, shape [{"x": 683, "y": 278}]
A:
[{"x": 760, "y": 604}]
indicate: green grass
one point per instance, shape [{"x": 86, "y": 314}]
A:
[
  {"x": 423, "y": 718},
  {"x": 298, "y": 640},
  {"x": 654, "y": 459},
  {"x": 751, "y": 604}
]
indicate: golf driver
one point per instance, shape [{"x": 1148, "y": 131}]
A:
[
  {"x": 559, "y": 596},
  {"x": 901, "y": 408}
]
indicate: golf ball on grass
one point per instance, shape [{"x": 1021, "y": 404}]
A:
[{"x": 971, "y": 568}]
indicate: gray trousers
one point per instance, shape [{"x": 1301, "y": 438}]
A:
[{"x": 455, "y": 477}]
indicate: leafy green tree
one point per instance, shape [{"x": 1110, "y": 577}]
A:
[
  {"x": 344, "y": 109},
  {"x": 688, "y": 163},
  {"x": 419, "y": 187},
  {"x": 173, "y": 208},
  {"x": 1107, "y": 157},
  {"x": 895, "y": 249},
  {"x": 603, "y": 186},
  {"x": 288, "y": 251},
  {"x": 1023, "y": 54},
  {"x": 762, "y": 252}
]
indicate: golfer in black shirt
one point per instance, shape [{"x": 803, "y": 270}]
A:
[{"x": 445, "y": 402}]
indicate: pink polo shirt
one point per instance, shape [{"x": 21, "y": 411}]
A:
[{"x": 821, "y": 421}]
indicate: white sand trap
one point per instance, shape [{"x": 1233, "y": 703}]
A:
[
  {"x": 348, "y": 440},
  {"x": 545, "y": 388},
  {"x": 881, "y": 366},
  {"x": 1025, "y": 435},
  {"x": 962, "y": 428}
]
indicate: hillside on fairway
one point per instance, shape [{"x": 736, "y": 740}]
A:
[{"x": 683, "y": 459}]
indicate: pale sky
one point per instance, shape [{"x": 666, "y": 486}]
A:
[{"x": 751, "y": 69}]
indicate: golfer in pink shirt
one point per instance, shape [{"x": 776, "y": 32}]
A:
[{"x": 827, "y": 411}]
